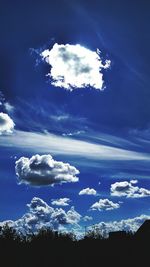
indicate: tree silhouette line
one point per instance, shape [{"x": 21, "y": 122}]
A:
[{"x": 48, "y": 248}]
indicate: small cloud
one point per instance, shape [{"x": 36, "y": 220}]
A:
[
  {"x": 67, "y": 134},
  {"x": 2, "y": 98},
  {"x": 8, "y": 107},
  {"x": 6, "y": 124},
  {"x": 44, "y": 170},
  {"x": 59, "y": 117},
  {"x": 61, "y": 201},
  {"x": 4, "y": 104},
  {"x": 74, "y": 66},
  {"x": 128, "y": 189},
  {"x": 88, "y": 191},
  {"x": 13, "y": 157},
  {"x": 105, "y": 204},
  {"x": 87, "y": 218},
  {"x": 73, "y": 133},
  {"x": 134, "y": 181}
]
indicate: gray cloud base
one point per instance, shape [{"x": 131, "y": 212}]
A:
[{"x": 44, "y": 170}]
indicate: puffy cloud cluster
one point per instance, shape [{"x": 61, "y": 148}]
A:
[
  {"x": 88, "y": 191},
  {"x": 6, "y": 124},
  {"x": 105, "y": 204},
  {"x": 131, "y": 224},
  {"x": 42, "y": 215},
  {"x": 61, "y": 201},
  {"x": 36, "y": 219},
  {"x": 74, "y": 66},
  {"x": 44, "y": 170},
  {"x": 128, "y": 189}
]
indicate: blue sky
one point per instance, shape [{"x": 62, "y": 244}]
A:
[{"x": 104, "y": 134}]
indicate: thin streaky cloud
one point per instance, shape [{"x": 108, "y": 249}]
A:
[{"x": 50, "y": 143}]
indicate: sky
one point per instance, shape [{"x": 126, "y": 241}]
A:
[{"x": 74, "y": 114}]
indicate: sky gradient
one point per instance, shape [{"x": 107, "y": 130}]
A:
[{"x": 74, "y": 113}]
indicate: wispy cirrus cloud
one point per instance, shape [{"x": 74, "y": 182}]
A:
[
  {"x": 74, "y": 66},
  {"x": 54, "y": 144}
]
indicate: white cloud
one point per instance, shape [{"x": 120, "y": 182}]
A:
[
  {"x": 44, "y": 170},
  {"x": 60, "y": 118},
  {"x": 74, "y": 66},
  {"x": 45, "y": 143},
  {"x": 6, "y": 124},
  {"x": 133, "y": 181},
  {"x": 128, "y": 189},
  {"x": 73, "y": 133},
  {"x": 8, "y": 107},
  {"x": 87, "y": 218},
  {"x": 88, "y": 191},
  {"x": 105, "y": 204},
  {"x": 10, "y": 223},
  {"x": 73, "y": 217},
  {"x": 61, "y": 201},
  {"x": 131, "y": 224},
  {"x": 41, "y": 215},
  {"x": 2, "y": 98}
]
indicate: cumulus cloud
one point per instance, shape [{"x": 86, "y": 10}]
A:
[
  {"x": 44, "y": 170},
  {"x": 88, "y": 191},
  {"x": 61, "y": 201},
  {"x": 128, "y": 189},
  {"x": 131, "y": 224},
  {"x": 6, "y": 124},
  {"x": 74, "y": 66},
  {"x": 105, "y": 204},
  {"x": 41, "y": 215},
  {"x": 10, "y": 223}
]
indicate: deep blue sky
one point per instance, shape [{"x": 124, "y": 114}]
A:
[{"x": 118, "y": 117}]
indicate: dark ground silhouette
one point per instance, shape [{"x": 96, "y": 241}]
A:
[{"x": 53, "y": 249}]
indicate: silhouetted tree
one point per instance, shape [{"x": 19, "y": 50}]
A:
[{"x": 49, "y": 248}]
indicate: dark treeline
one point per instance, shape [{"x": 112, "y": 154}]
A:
[{"x": 54, "y": 249}]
